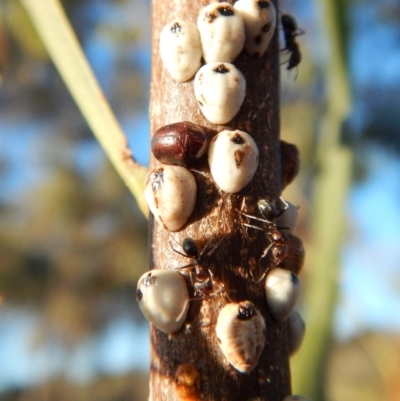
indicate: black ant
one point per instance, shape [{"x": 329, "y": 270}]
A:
[
  {"x": 201, "y": 277},
  {"x": 271, "y": 210},
  {"x": 290, "y": 31},
  {"x": 277, "y": 248}
]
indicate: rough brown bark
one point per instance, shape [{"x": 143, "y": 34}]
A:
[{"x": 217, "y": 216}]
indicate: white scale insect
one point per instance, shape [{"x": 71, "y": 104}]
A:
[
  {"x": 163, "y": 295},
  {"x": 233, "y": 159},
  {"x": 220, "y": 89},
  {"x": 180, "y": 49},
  {"x": 163, "y": 299},
  {"x": 222, "y": 32},
  {"x": 259, "y": 17}
]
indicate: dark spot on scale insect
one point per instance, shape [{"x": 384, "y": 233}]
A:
[
  {"x": 238, "y": 139},
  {"x": 226, "y": 11},
  {"x": 293, "y": 278},
  {"x": 266, "y": 27},
  {"x": 176, "y": 28},
  {"x": 258, "y": 39},
  {"x": 157, "y": 179},
  {"x": 239, "y": 157},
  {"x": 221, "y": 69},
  {"x": 264, "y": 4},
  {"x": 149, "y": 280},
  {"x": 210, "y": 17},
  {"x": 246, "y": 312},
  {"x": 139, "y": 295}
]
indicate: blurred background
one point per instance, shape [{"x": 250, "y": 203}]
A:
[{"x": 73, "y": 243}]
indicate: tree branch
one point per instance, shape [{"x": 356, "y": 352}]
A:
[{"x": 217, "y": 217}]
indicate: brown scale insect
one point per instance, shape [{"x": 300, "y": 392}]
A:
[
  {"x": 294, "y": 259},
  {"x": 290, "y": 162},
  {"x": 179, "y": 144}
]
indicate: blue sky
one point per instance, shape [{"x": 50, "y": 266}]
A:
[
  {"x": 121, "y": 347},
  {"x": 370, "y": 280}
]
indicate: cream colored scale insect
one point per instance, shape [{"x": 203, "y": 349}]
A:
[
  {"x": 180, "y": 49},
  {"x": 259, "y": 17},
  {"x": 222, "y": 32},
  {"x": 240, "y": 331},
  {"x": 220, "y": 89},
  {"x": 170, "y": 192},
  {"x": 233, "y": 159}
]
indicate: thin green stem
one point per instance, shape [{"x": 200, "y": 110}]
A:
[
  {"x": 60, "y": 41},
  {"x": 332, "y": 185}
]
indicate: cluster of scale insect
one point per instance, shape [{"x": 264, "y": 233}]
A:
[
  {"x": 222, "y": 32},
  {"x": 170, "y": 189}
]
